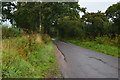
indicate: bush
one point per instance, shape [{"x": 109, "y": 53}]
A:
[
  {"x": 107, "y": 40},
  {"x": 11, "y": 32},
  {"x": 46, "y": 38}
]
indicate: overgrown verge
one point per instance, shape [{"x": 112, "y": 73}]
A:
[
  {"x": 19, "y": 62},
  {"x": 100, "y": 44},
  {"x": 11, "y": 32}
]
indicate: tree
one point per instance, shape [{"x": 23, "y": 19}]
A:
[
  {"x": 8, "y": 9},
  {"x": 113, "y": 13},
  {"x": 71, "y": 28},
  {"x": 52, "y": 12},
  {"x": 27, "y": 16},
  {"x": 95, "y": 23}
]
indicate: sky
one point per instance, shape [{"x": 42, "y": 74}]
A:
[
  {"x": 7, "y": 23},
  {"x": 91, "y": 5},
  {"x": 95, "y": 5}
]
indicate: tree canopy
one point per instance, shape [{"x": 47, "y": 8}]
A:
[
  {"x": 113, "y": 13},
  {"x": 62, "y": 18}
]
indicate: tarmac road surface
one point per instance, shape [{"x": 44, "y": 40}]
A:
[{"x": 86, "y": 63}]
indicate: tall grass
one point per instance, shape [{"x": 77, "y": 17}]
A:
[
  {"x": 108, "y": 40},
  {"x": 39, "y": 63}
]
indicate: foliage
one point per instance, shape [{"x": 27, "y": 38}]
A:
[
  {"x": 46, "y": 38},
  {"x": 95, "y": 24},
  {"x": 7, "y": 11},
  {"x": 70, "y": 28},
  {"x": 37, "y": 64},
  {"x": 31, "y": 15},
  {"x": 26, "y": 16},
  {"x": 113, "y": 13},
  {"x": 54, "y": 11},
  {"x": 11, "y": 32},
  {"x": 62, "y": 18},
  {"x": 108, "y": 40}
]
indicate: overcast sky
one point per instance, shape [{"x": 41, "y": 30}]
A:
[{"x": 95, "y": 5}]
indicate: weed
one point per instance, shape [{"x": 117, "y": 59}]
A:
[{"x": 37, "y": 64}]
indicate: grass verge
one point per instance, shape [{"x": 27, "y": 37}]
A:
[
  {"x": 107, "y": 49},
  {"x": 40, "y": 63}
]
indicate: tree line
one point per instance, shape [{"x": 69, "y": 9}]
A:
[{"x": 62, "y": 19}]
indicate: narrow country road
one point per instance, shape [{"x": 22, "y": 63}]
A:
[{"x": 86, "y": 63}]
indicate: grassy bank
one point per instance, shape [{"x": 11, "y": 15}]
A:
[
  {"x": 21, "y": 61},
  {"x": 107, "y": 49}
]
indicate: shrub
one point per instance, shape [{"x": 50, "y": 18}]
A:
[
  {"x": 11, "y": 32},
  {"x": 46, "y": 38},
  {"x": 107, "y": 40}
]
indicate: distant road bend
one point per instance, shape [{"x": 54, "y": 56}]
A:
[{"x": 86, "y": 63}]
